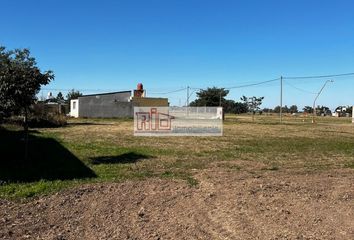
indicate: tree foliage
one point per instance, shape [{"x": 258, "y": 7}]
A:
[
  {"x": 293, "y": 109},
  {"x": 240, "y": 108},
  {"x": 276, "y": 109},
  {"x": 344, "y": 110},
  {"x": 253, "y": 103},
  {"x": 267, "y": 110},
  {"x": 60, "y": 96},
  {"x": 323, "y": 110},
  {"x": 214, "y": 96},
  {"x": 20, "y": 80},
  {"x": 286, "y": 109},
  {"x": 73, "y": 94},
  {"x": 210, "y": 97},
  {"x": 308, "y": 109},
  {"x": 230, "y": 106}
]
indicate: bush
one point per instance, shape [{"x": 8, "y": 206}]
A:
[
  {"x": 47, "y": 121},
  {"x": 43, "y": 121}
]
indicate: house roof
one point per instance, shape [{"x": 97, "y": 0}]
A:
[{"x": 100, "y": 94}]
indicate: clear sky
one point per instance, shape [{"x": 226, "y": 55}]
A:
[{"x": 168, "y": 45}]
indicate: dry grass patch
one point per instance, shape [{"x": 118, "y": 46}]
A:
[{"x": 263, "y": 145}]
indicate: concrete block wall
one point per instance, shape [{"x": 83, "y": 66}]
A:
[
  {"x": 106, "y": 105},
  {"x": 113, "y": 105}
]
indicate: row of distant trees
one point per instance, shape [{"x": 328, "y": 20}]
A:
[
  {"x": 73, "y": 94},
  {"x": 307, "y": 109},
  {"x": 217, "y": 97},
  {"x": 294, "y": 109}
]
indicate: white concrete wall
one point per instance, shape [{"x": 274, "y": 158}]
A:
[{"x": 74, "y": 108}]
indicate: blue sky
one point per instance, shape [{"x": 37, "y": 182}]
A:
[{"x": 168, "y": 45}]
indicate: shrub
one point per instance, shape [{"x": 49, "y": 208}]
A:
[
  {"x": 43, "y": 121},
  {"x": 47, "y": 121}
]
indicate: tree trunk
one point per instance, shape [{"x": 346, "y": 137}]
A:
[{"x": 26, "y": 133}]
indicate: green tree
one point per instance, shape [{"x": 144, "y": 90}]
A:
[
  {"x": 60, "y": 96},
  {"x": 293, "y": 109},
  {"x": 323, "y": 110},
  {"x": 229, "y": 106},
  {"x": 267, "y": 110},
  {"x": 240, "y": 107},
  {"x": 277, "y": 109},
  {"x": 285, "y": 109},
  {"x": 20, "y": 82},
  {"x": 253, "y": 104},
  {"x": 308, "y": 109},
  {"x": 73, "y": 94},
  {"x": 210, "y": 97}
]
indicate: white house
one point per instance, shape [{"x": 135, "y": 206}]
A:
[{"x": 74, "y": 108}]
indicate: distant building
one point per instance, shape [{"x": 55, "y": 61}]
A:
[
  {"x": 113, "y": 104},
  {"x": 51, "y": 105},
  {"x": 343, "y": 111}
]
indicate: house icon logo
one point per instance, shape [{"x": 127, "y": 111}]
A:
[{"x": 153, "y": 120}]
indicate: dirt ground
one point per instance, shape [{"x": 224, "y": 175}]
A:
[{"x": 224, "y": 205}]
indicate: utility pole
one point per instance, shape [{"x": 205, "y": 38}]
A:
[
  {"x": 187, "y": 101},
  {"x": 314, "y": 102},
  {"x": 281, "y": 100},
  {"x": 187, "y": 96}
]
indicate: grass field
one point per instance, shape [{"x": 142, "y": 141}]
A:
[{"x": 105, "y": 150}]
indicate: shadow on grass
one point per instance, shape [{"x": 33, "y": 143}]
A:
[
  {"x": 130, "y": 157},
  {"x": 47, "y": 159}
]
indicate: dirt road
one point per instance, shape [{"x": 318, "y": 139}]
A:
[{"x": 224, "y": 205}]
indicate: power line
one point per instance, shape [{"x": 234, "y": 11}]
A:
[
  {"x": 276, "y": 79},
  {"x": 234, "y": 87},
  {"x": 254, "y": 84},
  {"x": 322, "y": 76},
  {"x": 299, "y": 89},
  {"x": 103, "y": 90},
  {"x": 80, "y": 89},
  {"x": 245, "y": 85},
  {"x": 178, "y": 90}
]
